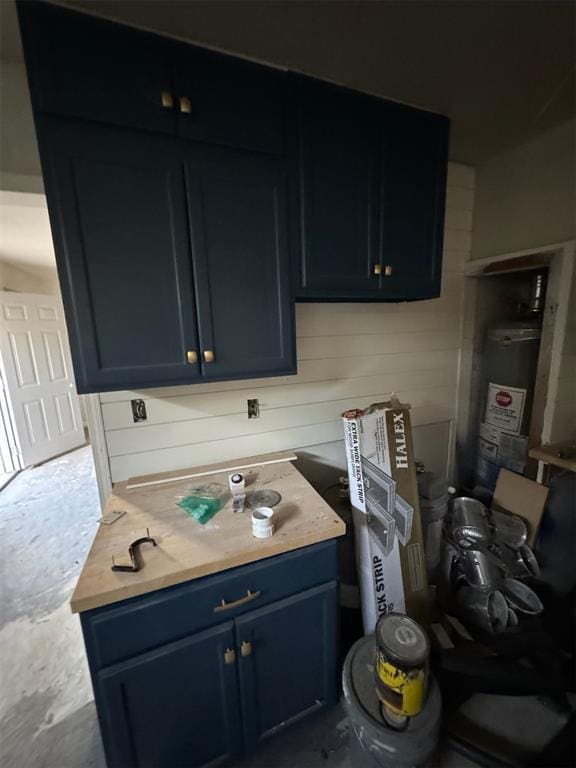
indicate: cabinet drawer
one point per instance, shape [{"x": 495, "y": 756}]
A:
[{"x": 117, "y": 632}]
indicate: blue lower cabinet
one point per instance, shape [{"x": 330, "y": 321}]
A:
[
  {"x": 287, "y": 661},
  {"x": 195, "y": 675},
  {"x": 176, "y": 706}
]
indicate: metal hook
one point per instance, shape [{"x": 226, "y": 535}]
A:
[{"x": 133, "y": 551}]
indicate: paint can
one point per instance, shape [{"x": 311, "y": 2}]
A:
[
  {"x": 373, "y": 742},
  {"x": 401, "y": 666}
]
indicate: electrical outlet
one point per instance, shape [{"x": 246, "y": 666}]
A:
[
  {"x": 254, "y": 409},
  {"x": 139, "y": 410}
]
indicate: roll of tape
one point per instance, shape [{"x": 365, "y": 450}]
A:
[{"x": 237, "y": 482}]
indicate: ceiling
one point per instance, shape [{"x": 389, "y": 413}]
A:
[{"x": 503, "y": 70}]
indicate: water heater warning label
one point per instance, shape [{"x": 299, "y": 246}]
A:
[{"x": 505, "y": 407}]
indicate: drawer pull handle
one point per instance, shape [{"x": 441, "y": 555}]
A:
[
  {"x": 377, "y": 269},
  {"x": 248, "y": 597},
  {"x": 208, "y": 356},
  {"x": 388, "y": 270},
  {"x": 246, "y": 648},
  {"x": 191, "y": 356},
  {"x": 185, "y": 105},
  {"x": 167, "y": 99},
  {"x": 229, "y": 656}
]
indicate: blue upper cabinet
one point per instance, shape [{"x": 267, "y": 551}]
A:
[
  {"x": 336, "y": 192},
  {"x": 93, "y": 69},
  {"x": 117, "y": 206},
  {"x": 368, "y": 191},
  {"x": 237, "y": 213},
  {"x": 229, "y": 101},
  {"x": 193, "y": 196},
  {"x": 414, "y": 148},
  {"x": 98, "y": 70},
  {"x": 172, "y": 258},
  {"x": 172, "y": 252}
]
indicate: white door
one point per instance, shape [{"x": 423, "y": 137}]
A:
[
  {"x": 38, "y": 377},
  {"x": 9, "y": 460}
]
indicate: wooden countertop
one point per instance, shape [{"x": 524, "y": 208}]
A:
[{"x": 187, "y": 550}]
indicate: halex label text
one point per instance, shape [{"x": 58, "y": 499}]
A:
[{"x": 400, "y": 440}]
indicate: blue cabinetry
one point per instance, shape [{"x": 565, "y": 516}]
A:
[
  {"x": 193, "y": 196},
  {"x": 172, "y": 257},
  {"x": 369, "y": 196},
  {"x": 175, "y": 706},
  {"x": 85, "y": 67},
  {"x": 414, "y": 155},
  {"x": 336, "y": 162},
  {"x": 118, "y": 207},
  {"x": 195, "y": 675},
  {"x": 287, "y": 661}
]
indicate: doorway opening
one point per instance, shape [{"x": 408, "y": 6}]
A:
[
  {"x": 516, "y": 324},
  {"x": 39, "y": 408}
]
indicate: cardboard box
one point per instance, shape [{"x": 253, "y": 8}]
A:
[
  {"x": 384, "y": 496},
  {"x": 523, "y": 497}
]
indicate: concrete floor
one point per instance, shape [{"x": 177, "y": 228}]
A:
[{"x": 48, "y": 516}]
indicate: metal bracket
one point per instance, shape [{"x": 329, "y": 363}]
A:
[{"x": 133, "y": 551}]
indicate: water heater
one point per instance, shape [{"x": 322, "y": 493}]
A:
[{"x": 510, "y": 362}]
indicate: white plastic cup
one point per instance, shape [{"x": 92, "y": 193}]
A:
[{"x": 263, "y": 522}]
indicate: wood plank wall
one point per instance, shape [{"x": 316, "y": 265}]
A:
[
  {"x": 563, "y": 427},
  {"x": 348, "y": 355}
]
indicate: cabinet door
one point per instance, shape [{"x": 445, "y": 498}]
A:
[
  {"x": 228, "y": 101},
  {"x": 85, "y": 67},
  {"x": 237, "y": 204},
  {"x": 118, "y": 213},
  {"x": 175, "y": 706},
  {"x": 338, "y": 191},
  {"x": 287, "y": 661},
  {"x": 414, "y": 162}
]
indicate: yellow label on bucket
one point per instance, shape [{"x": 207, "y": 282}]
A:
[{"x": 408, "y": 688}]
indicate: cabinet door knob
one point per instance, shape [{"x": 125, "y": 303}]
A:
[
  {"x": 388, "y": 270},
  {"x": 377, "y": 269},
  {"x": 246, "y": 648},
  {"x": 229, "y": 656},
  {"x": 208, "y": 356},
  {"x": 167, "y": 99},
  {"x": 185, "y": 105},
  {"x": 191, "y": 356}
]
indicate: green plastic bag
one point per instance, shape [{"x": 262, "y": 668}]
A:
[{"x": 202, "y": 502}]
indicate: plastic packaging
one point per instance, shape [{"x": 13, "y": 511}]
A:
[{"x": 202, "y": 502}]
